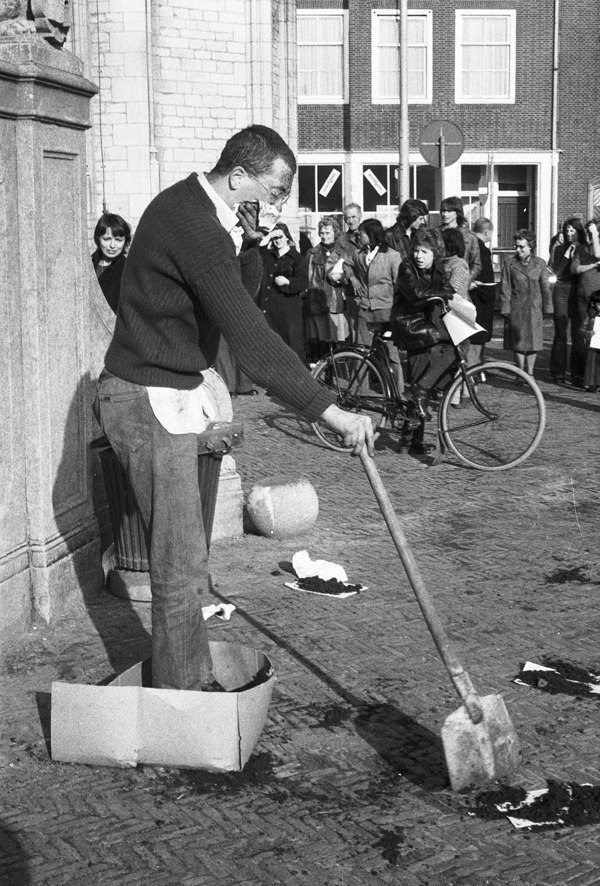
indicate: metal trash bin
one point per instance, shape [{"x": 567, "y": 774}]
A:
[{"x": 128, "y": 532}]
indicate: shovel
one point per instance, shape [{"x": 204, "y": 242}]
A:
[{"x": 480, "y": 742}]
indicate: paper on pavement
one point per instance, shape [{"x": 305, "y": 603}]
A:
[{"x": 304, "y": 567}]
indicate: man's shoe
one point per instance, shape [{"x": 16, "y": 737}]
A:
[
  {"x": 422, "y": 448},
  {"x": 420, "y": 397},
  {"x": 559, "y": 380}
]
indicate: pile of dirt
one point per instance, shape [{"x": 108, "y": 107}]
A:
[
  {"x": 565, "y": 678},
  {"x": 564, "y": 804}
]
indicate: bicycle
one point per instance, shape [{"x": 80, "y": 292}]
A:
[{"x": 499, "y": 424}]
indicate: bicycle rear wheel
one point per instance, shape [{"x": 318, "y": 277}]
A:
[
  {"x": 359, "y": 386},
  {"x": 503, "y": 423}
]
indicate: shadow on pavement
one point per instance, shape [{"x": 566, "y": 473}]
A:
[
  {"x": 118, "y": 625},
  {"x": 408, "y": 747},
  {"x": 411, "y": 749},
  {"x": 14, "y": 869},
  {"x": 593, "y": 405}
]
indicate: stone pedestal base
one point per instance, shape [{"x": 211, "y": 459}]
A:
[
  {"x": 130, "y": 585},
  {"x": 229, "y": 508}
]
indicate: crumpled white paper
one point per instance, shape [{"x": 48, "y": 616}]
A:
[
  {"x": 221, "y": 610},
  {"x": 304, "y": 567}
]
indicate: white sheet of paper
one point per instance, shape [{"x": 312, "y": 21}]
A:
[
  {"x": 595, "y": 340},
  {"x": 459, "y": 329}
]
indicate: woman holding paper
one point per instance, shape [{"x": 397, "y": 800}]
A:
[
  {"x": 525, "y": 299},
  {"x": 325, "y": 298},
  {"x": 420, "y": 277}
]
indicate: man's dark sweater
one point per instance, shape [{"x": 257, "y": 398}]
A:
[{"x": 181, "y": 288}]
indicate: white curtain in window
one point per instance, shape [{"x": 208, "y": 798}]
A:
[
  {"x": 321, "y": 56},
  {"x": 388, "y": 57},
  {"x": 485, "y": 56}
]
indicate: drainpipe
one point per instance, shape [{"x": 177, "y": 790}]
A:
[
  {"x": 554, "y": 144},
  {"x": 155, "y": 183}
]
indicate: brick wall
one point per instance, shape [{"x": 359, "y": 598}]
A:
[
  {"x": 579, "y": 105},
  {"x": 363, "y": 126}
]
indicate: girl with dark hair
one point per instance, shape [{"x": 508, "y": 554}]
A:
[
  {"x": 457, "y": 268},
  {"x": 412, "y": 215},
  {"x": 586, "y": 267},
  {"x": 372, "y": 273},
  {"x": 564, "y": 300},
  {"x": 284, "y": 279},
  {"x": 112, "y": 236},
  {"x": 453, "y": 216},
  {"x": 420, "y": 277},
  {"x": 525, "y": 299}
]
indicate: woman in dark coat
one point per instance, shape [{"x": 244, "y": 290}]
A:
[
  {"x": 420, "y": 277},
  {"x": 564, "y": 299},
  {"x": 112, "y": 237},
  {"x": 283, "y": 281},
  {"x": 525, "y": 299}
]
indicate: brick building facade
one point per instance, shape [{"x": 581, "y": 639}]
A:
[{"x": 486, "y": 67}]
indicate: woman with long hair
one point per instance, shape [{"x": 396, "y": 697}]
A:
[
  {"x": 420, "y": 277},
  {"x": 452, "y": 214},
  {"x": 372, "y": 273},
  {"x": 564, "y": 300}
]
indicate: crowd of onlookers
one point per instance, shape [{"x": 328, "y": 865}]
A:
[{"x": 353, "y": 281}]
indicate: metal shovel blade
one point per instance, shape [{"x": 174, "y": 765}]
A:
[{"x": 477, "y": 754}]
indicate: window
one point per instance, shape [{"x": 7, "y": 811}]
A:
[
  {"x": 380, "y": 189},
  {"x": 322, "y": 56},
  {"x": 386, "y": 57},
  {"x": 320, "y": 188},
  {"x": 485, "y": 57}
]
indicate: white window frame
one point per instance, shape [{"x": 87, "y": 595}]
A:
[
  {"x": 461, "y": 99},
  {"x": 376, "y": 16},
  {"x": 333, "y": 99}
]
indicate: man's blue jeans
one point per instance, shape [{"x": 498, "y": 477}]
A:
[{"x": 163, "y": 471}]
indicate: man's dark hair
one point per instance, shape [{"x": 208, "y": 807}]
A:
[
  {"x": 255, "y": 148},
  {"x": 454, "y": 204},
  {"x": 410, "y": 211},
  {"x": 454, "y": 242}
]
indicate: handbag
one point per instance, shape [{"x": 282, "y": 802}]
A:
[{"x": 413, "y": 332}]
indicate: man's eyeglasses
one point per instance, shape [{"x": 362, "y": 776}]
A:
[{"x": 274, "y": 196}]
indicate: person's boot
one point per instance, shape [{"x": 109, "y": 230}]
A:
[{"x": 420, "y": 396}]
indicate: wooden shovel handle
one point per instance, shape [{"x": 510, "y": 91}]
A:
[{"x": 460, "y": 677}]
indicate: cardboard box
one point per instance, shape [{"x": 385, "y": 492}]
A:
[{"x": 127, "y": 722}]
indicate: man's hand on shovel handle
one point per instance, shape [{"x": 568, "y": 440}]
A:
[{"x": 356, "y": 431}]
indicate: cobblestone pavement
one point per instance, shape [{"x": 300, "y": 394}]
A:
[{"x": 347, "y": 786}]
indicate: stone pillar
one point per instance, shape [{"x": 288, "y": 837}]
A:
[{"x": 49, "y": 548}]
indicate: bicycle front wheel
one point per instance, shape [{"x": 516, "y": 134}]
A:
[
  {"x": 501, "y": 424},
  {"x": 359, "y": 386}
]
